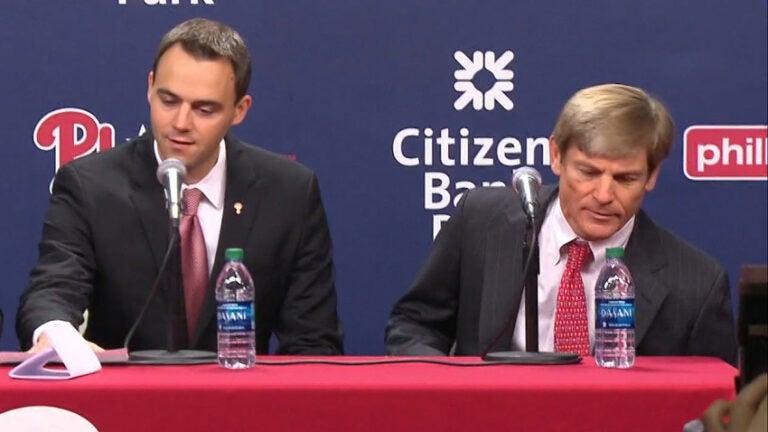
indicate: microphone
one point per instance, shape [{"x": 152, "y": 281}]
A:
[
  {"x": 171, "y": 174},
  {"x": 526, "y": 181}
]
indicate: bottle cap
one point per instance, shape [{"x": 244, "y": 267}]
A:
[
  {"x": 234, "y": 254},
  {"x": 615, "y": 252}
]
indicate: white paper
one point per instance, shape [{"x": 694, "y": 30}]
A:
[{"x": 67, "y": 347}]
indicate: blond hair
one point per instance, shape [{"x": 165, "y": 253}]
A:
[{"x": 615, "y": 120}]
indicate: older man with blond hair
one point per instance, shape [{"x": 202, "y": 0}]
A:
[{"x": 606, "y": 148}]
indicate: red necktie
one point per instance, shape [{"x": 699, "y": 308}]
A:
[
  {"x": 194, "y": 260},
  {"x": 571, "y": 325}
]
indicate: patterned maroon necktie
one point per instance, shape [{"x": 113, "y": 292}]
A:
[
  {"x": 571, "y": 325},
  {"x": 194, "y": 260}
]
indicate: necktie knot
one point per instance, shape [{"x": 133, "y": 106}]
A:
[
  {"x": 578, "y": 251},
  {"x": 190, "y": 200}
]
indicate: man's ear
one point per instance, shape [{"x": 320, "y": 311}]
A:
[
  {"x": 652, "y": 178},
  {"x": 150, "y": 82},
  {"x": 241, "y": 109},
  {"x": 555, "y": 158}
]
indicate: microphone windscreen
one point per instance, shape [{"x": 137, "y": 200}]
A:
[
  {"x": 523, "y": 172},
  {"x": 168, "y": 165}
]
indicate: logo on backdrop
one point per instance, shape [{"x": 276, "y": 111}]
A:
[
  {"x": 168, "y": 2},
  {"x": 440, "y": 151},
  {"x": 726, "y": 153},
  {"x": 483, "y": 62},
  {"x": 72, "y": 133}
]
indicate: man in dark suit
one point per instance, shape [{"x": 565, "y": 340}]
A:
[
  {"x": 106, "y": 229},
  {"x": 606, "y": 148}
]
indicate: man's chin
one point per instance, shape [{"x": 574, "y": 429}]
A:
[
  {"x": 170, "y": 152},
  {"x": 598, "y": 232}
]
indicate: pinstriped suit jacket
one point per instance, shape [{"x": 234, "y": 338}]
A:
[{"x": 470, "y": 286}]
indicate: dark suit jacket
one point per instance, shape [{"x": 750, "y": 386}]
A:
[
  {"x": 106, "y": 231},
  {"x": 471, "y": 285}
]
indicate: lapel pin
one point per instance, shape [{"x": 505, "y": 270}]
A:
[{"x": 238, "y": 207}]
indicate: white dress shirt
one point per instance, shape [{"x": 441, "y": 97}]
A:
[
  {"x": 211, "y": 207},
  {"x": 555, "y": 234}
]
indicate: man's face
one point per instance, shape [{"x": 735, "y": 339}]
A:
[
  {"x": 192, "y": 106},
  {"x": 599, "y": 195}
]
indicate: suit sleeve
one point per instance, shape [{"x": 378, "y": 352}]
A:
[
  {"x": 62, "y": 280},
  {"x": 423, "y": 321},
  {"x": 713, "y": 332},
  {"x": 309, "y": 323}
]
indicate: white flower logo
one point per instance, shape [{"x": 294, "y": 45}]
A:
[{"x": 497, "y": 93}]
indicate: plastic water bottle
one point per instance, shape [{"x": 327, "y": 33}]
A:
[
  {"x": 234, "y": 313},
  {"x": 615, "y": 313}
]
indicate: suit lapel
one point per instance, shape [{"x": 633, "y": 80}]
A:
[
  {"x": 148, "y": 197},
  {"x": 502, "y": 275},
  {"x": 242, "y": 191},
  {"x": 501, "y": 278},
  {"x": 644, "y": 261}
]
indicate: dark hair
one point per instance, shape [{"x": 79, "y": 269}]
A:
[{"x": 207, "y": 39}]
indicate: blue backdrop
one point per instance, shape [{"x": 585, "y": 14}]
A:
[{"x": 360, "y": 91}]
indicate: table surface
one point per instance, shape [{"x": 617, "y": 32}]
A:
[{"x": 659, "y": 393}]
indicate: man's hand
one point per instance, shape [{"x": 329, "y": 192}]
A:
[
  {"x": 43, "y": 343},
  {"x": 748, "y": 412}
]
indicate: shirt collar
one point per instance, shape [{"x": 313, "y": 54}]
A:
[
  {"x": 564, "y": 234},
  {"x": 212, "y": 185}
]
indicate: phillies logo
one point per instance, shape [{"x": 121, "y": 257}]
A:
[
  {"x": 726, "y": 152},
  {"x": 73, "y": 133}
]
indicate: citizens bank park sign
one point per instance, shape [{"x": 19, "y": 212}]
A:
[{"x": 710, "y": 152}]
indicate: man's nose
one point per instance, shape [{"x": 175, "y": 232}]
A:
[
  {"x": 603, "y": 192},
  {"x": 182, "y": 119}
]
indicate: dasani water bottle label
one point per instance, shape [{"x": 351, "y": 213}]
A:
[
  {"x": 615, "y": 314},
  {"x": 235, "y": 316}
]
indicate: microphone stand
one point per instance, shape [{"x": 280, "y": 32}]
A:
[
  {"x": 531, "y": 355},
  {"x": 176, "y": 329}
]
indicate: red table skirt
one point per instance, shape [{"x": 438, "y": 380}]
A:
[{"x": 658, "y": 394}]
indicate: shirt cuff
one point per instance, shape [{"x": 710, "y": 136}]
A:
[{"x": 39, "y": 330}]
